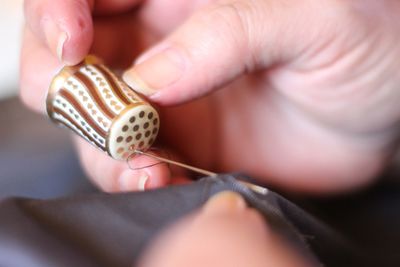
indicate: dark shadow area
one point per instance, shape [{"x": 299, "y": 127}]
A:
[
  {"x": 370, "y": 218},
  {"x": 36, "y": 158}
]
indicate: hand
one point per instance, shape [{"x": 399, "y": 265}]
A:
[
  {"x": 311, "y": 87},
  {"x": 62, "y": 32},
  {"x": 243, "y": 239}
]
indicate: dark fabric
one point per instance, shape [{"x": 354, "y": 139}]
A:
[
  {"x": 370, "y": 218},
  {"x": 113, "y": 230}
]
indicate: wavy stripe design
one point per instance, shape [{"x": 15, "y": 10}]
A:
[
  {"x": 91, "y": 88},
  {"x": 61, "y": 103},
  {"x": 58, "y": 118},
  {"x": 112, "y": 84},
  {"x": 77, "y": 126},
  {"x": 73, "y": 102},
  {"x": 79, "y": 92},
  {"x": 98, "y": 79}
]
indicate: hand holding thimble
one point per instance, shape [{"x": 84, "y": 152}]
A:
[
  {"x": 311, "y": 98},
  {"x": 94, "y": 103}
]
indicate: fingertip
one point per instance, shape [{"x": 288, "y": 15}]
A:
[
  {"x": 146, "y": 179},
  {"x": 133, "y": 181},
  {"x": 159, "y": 176},
  {"x": 148, "y": 173},
  {"x": 65, "y": 26},
  {"x": 186, "y": 66},
  {"x": 163, "y": 68},
  {"x": 225, "y": 202},
  {"x": 75, "y": 42}
]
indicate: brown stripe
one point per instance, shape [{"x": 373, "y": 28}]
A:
[
  {"x": 64, "y": 93},
  {"x": 91, "y": 88},
  {"x": 113, "y": 85},
  {"x": 83, "y": 131}
]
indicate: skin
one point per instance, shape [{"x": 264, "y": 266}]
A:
[
  {"x": 244, "y": 239},
  {"x": 310, "y": 89}
]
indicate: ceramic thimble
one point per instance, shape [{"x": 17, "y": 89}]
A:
[{"x": 94, "y": 103}]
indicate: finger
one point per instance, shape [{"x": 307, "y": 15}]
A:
[
  {"x": 245, "y": 239},
  {"x": 37, "y": 68},
  {"x": 213, "y": 47},
  {"x": 65, "y": 26},
  {"x": 117, "y": 176}
]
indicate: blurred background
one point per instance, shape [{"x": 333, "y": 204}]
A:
[{"x": 36, "y": 158}]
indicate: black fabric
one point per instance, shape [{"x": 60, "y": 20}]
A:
[{"x": 112, "y": 230}]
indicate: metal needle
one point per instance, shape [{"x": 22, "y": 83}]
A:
[
  {"x": 195, "y": 169},
  {"x": 255, "y": 188}
]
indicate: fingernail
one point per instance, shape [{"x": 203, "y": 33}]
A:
[
  {"x": 60, "y": 45},
  {"x": 55, "y": 37},
  {"x": 142, "y": 182},
  {"x": 128, "y": 181},
  {"x": 156, "y": 72},
  {"x": 223, "y": 202}
]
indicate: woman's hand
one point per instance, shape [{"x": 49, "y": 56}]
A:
[
  {"x": 62, "y": 32},
  {"x": 225, "y": 232},
  {"x": 311, "y": 88}
]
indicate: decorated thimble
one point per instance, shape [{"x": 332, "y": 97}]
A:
[{"x": 94, "y": 103}]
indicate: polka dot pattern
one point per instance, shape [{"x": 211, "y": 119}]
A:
[{"x": 135, "y": 129}]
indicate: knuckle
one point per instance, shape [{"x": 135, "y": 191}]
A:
[
  {"x": 231, "y": 16},
  {"x": 234, "y": 23}
]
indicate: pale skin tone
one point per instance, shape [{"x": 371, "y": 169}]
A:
[
  {"x": 243, "y": 239},
  {"x": 310, "y": 89},
  {"x": 308, "y": 101}
]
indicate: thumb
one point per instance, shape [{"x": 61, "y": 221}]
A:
[{"x": 213, "y": 47}]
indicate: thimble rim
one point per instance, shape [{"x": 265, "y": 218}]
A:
[{"x": 123, "y": 114}]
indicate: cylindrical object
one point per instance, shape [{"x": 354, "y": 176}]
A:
[{"x": 90, "y": 100}]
